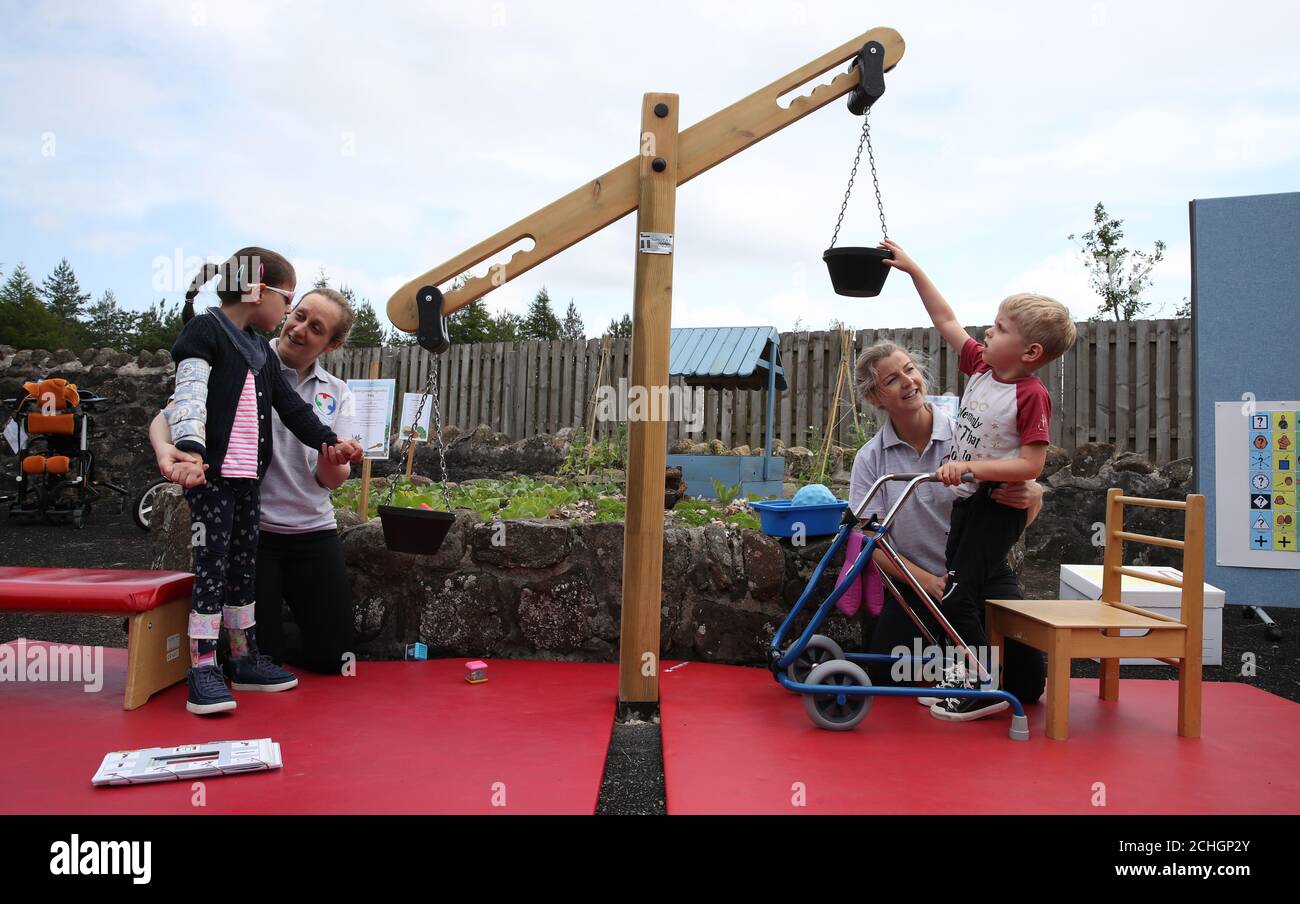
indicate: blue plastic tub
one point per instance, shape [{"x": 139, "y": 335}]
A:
[{"x": 779, "y": 517}]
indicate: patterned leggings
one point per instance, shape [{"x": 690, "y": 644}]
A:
[{"x": 224, "y": 516}]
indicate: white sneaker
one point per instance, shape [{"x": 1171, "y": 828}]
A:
[{"x": 953, "y": 676}]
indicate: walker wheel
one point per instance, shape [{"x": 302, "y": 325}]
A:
[
  {"x": 838, "y": 712},
  {"x": 820, "y": 649}
]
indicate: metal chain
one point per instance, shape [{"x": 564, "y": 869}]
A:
[
  {"x": 853, "y": 174},
  {"x": 430, "y": 387},
  {"x": 437, "y": 432}
]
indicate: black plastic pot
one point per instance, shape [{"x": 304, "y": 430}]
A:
[
  {"x": 414, "y": 530},
  {"x": 857, "y": 272}
]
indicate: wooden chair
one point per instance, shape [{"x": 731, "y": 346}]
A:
[{"x": 1075, "y": 629}]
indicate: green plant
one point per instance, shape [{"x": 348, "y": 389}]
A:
[{"x": 726, "y": 494}]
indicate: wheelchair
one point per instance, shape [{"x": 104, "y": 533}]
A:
[{"x": 56, "y": 474}]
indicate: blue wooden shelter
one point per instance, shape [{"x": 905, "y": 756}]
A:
[{"x": 742, "y": 357}]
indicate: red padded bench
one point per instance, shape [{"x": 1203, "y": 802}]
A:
[{"x": 156, "y": 602}]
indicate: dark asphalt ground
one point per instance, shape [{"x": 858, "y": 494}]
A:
[{"x": 633, "y": 782}]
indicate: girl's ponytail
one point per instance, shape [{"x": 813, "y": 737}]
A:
[{"x": 205, "y": 274}]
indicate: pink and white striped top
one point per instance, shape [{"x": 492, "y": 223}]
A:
[{"x": 241, "y": 451}]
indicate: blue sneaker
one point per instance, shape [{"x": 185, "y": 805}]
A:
[
  {"x": 256, "y": 672},
  {"x": 208, "y": 691}
]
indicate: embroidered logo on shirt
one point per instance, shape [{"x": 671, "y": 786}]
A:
[{"x": 325, "y": 403}]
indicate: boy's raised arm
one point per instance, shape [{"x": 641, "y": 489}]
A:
[{"x": 935, "y": 305}]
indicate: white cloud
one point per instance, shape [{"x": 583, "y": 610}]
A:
[{"x": 387, "y": 138}]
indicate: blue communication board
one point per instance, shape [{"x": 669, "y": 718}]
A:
[{"x": 1246, "y": 336}]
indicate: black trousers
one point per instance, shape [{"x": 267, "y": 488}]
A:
[
  {"x": 982, "y": 566},
  {"x": 980, "y": 536},
  {"x": 307, "y": 572}
]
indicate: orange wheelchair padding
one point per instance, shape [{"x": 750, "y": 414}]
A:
[
  {"x": 157, "y": 603},
  {"x": 34, "y": 464},
  {"x": 56, "y": 464},
  {"x": 50, "y": 424}
]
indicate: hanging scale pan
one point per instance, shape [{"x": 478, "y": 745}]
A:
[
  {"x": 860, "y": 272},
  {"x": 422, "y": 530}
]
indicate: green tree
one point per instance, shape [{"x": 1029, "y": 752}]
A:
[
  {"x": 366, "y": 331},
  {"x": 506, "y": 327},
  {"x": 62, "y": 293},
  {"x": 25, "y": 322},
  {"x": 1119, "y": 275},
  {"x": 108, "y": 326},
  {"x": 322, "y": 280},
  {"x": 155, "y": 328},
  {"x": 472, "y": 323},
  {"x": 572, "y": 328},
  {"x": 620, "y": 329},
  {"x": 540, "y": 322}
]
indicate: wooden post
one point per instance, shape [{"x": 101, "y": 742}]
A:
[
  {"x": 643, "y": 537},
  {"x": 364, "y": 505},
  {"x": 410, "y": 453}
]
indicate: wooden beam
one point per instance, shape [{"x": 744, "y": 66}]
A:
[
  {"x": 611, "y": 196},
  {"x": 643, "y": 532}
]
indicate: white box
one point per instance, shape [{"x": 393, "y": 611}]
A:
[{"x": 1083, "y": 582}]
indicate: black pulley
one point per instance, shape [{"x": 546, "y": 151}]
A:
[
  {"x": 856, "y": 271},
  {"x": 431, "y": 331}
]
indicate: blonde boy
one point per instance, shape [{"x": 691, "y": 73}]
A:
[{"x": 1000, "y": 436}]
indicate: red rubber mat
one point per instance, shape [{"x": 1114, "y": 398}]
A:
[
  {"x": 400, "y": 737},
  {"x": 737, "y": 742}
]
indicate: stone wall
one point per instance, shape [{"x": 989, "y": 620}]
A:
[
  {"x": 1074, "y": 504},
  {"x": 134, "y": 385}
]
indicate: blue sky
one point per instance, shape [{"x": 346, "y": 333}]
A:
[{"x": 379, "y": 140}]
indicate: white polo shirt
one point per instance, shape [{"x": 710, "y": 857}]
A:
[
  {"x": 920, "y": 530},
  {"x": 293, "y": 502}
]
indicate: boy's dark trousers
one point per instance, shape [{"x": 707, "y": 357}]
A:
[
  {"x": 1024, "y": 672},
  {"x": 981, "y": 535}
]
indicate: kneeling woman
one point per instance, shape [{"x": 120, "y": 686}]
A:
[{"x": 914, "y": 437}]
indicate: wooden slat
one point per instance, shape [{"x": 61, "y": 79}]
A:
[
  {"x": 817, "y": 416},
  {"x": 1163, "y": 425},
  {"x": 1185, "y": 436},
  {"x": 785, "y": 404},
  {"x": 1142, "y": 388},
  {"x": 1069, "y": 435},
  {"x": 1153, "y": 503},
  {"x": 463, "y": 389},
  {"x": 568, "y": 367},
  {"x": 1122, "y": 388},
  {"x": 553, "y": 389},
  {"x": 1147, "y": 538},
  {"x": 528, "y": 405},
  {"x": 1083, "y": 387},
  {"x": 578, "y": 413},
  {"x": 804, "y": 397},
  {"x": 1151, "y": 576},
  {"x": 1102, "y": 383},
  {"x": 508, "y": 397},
  {"x": 544, "y": 384}
]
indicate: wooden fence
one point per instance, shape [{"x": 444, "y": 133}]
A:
[{"x": 1125, "y": 383}]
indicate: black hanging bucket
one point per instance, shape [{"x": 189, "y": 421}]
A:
[
  {"x": 857, "y": 272},
  {"x": 415, "y": 530}
]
